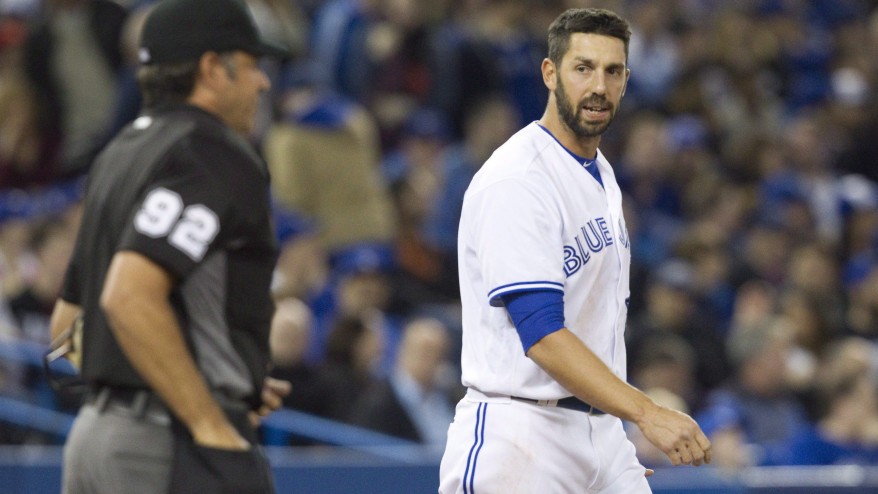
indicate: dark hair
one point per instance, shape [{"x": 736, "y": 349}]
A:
[
  {"x": 167, "y": 83},
  {"x": 173, "y": 82},
  {"x": 343, "y": 339},
  {"x": 589, "y": 21}
]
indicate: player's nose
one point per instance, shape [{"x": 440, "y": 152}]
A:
[
  {"x": 264, "y": 81},
  {"x": 599, "y": 83}
]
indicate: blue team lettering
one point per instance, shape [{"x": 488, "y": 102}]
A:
[
  {"x": 623, "y": 234},
  {"x": 605, "y": 231},
  {"x": 594, "y": 236}
]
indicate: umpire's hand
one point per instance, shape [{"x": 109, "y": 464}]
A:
[
  {"x": 676, "y": 434},
  {"x": 273, "y": 393}
]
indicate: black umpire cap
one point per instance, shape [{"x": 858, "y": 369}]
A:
[{"x": 181, "y": 30}]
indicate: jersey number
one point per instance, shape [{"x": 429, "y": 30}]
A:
[{"x": 191, "y": 229}]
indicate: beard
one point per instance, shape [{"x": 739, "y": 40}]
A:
[{"x": 570, "y": 114}]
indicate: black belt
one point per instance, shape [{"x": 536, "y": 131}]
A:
[
  {"x": 141, "y": 404},
  {"x": 570, "y": 403}
]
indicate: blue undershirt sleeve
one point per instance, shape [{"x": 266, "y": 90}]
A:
[{"x": 535, "y": 314}]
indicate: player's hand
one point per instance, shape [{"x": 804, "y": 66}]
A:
[
  {"x": 677, "y": 435},
  {"x": 273, "y": 393}
]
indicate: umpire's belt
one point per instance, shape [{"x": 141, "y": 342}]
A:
[
  {"x": 570, "y": 403},
  {"x": 141, "y": 404}
]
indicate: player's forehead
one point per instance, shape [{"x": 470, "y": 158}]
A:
[{"x": 607, "y": 50}]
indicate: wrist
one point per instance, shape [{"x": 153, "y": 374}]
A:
[
  {"x": 208, "y": 424},
  {"x": 642, "y": 411}
]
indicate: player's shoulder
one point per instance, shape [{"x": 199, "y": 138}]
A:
[{"x": 521, "y": 155}]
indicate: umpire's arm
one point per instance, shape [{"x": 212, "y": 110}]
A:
[
  {"x": 135, "y": 300},
  {"x": 570, "y": 362}
]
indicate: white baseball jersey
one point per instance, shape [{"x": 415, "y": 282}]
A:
[{"x": 535, "y": 218}]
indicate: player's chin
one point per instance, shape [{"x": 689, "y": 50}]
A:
[{"x": 592, "y": 129}]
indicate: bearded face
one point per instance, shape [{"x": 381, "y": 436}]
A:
[{"x": 575, "y": 117}]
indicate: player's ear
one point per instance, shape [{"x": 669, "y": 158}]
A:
[
  {"x": 210, "y": 68},
  {"x": 550, "y": 74},
  {"x": 625, "y": 85}
]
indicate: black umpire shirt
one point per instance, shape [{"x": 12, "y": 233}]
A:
[{"x": 181, "y": 188}]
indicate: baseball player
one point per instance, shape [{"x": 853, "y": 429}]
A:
[{"x": 544, "y": 259}]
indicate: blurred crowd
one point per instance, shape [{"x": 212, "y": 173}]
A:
[{"x": 746, "y": 145}]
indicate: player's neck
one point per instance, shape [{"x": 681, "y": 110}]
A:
[{"x": 583, "y": 146}]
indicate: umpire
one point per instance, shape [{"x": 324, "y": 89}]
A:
[{"x": 171, "y": 271}]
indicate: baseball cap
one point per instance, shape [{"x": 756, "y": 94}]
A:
[{"x": 181, "y": 30}]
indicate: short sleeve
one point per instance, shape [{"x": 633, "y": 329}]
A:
[
  {"x": 179, "y": 216},
  {"x": 517, "y": 234}
]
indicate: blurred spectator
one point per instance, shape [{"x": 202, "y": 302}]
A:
[
  {"x": 411, "y": 403},
  {"x": 342, "y": 35},
  {"x": 291, "y": 329},
  {"x": 29, "y": 144},
  {"x": 862, "y": 313},
  {"x": 755, "y": 302},
  {"x": 755, "y": 407},
  {"x": 362, "y": 282},
  {"x": 645, "y": 173},
  {"x": 671, "y": 303},
  {"x": 302, "y": 268},
  {"x": 705, "y": 245},
  {"x": 353, "y": 354},
  {"x": 413, "y": 171},
  {"x": 324, "y": 157},
  {"x": 359, "y": 285},
  {"x": 762, "y": 255},
  {"x": 654, "y": 54},
  {"x": 404, "y": 67},
  {"x": 816, "y": 274},
  {"x": 73, "y": 57},
  {"x": 489, "y": 48},
  {"x": 20, "y": 211},
  {"x": 666, "y": 362},
  {"x": 846, "y": 395},
  {"x": 860, "y": 246},
  {"x": 51, "y": 243},
  {"x": 806, "y": 195}
]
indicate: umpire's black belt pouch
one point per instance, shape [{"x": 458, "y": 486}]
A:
[{"x": 200, "y": 470}]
